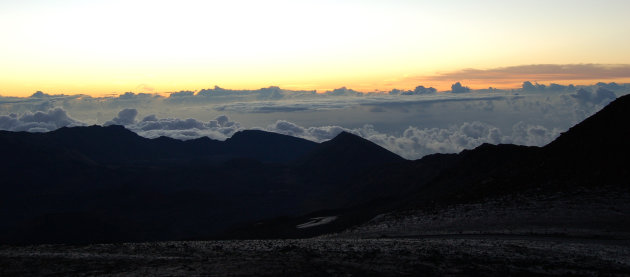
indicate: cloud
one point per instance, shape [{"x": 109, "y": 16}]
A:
[
  {"x": 221, "y": 95},
  {"x": 183, "y": 93},
  {"x": 533, "y": 135},
  {"x": 317, "y": 134},
  {"x": 458, "y": 88},
  {"x": 131, "y": 95},
  {"x": 528, "y": 86},
  {"x": 39, "y": 94},
  {"x": 415, "y": 142},
  {"x": 410, "y": 123},
  {"x": 600, "y": 97},
  {"x": 125, "y": 117},
  {"x": 538, "y": 72},
  {"x": 150, "y": 126},
  {"x": 341, "y": 102},
  {"x": 419, "y": 90},
  {"x": 38, "y": 121},
  {"x": 611, "y": 86},
  {"x": 343, "y": 91}
]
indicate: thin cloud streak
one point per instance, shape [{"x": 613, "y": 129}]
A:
[{"x": 535, "y": 72}]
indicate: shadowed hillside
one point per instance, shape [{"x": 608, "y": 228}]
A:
[{"x": 107, "y": 184}]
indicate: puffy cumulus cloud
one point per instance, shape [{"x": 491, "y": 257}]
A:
[
  {"x": 150, "y": 126},
  {"x": 39, "y": 94},
  {"x": 612, "y": 86},
  {"x": 533, "y": 135},
  {"x": 183, "y": 93},
  {"x": 419, "y": 90},
  {"x": 601, "y": 96},
  {"x": 317, "y": 134},
  {"x": 221, "y": 95},
  {"x": 125, "y": 117},
  {"x": 415, "y": 143},
  {"x": 528, "y": 86},
  {"x": 343, "y": 91},
  {"x": 270, "y": 93},
  {"x": 38, "y": 121},
  {"x": 458, "y": 88},
  {"x": 133, "y": 96}
]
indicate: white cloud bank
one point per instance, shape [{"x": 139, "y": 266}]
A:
[
  {"x": 464, "y": 121},
  {"x": 151, "y": 127},
  {"x": 413, "y": 143},
  {"x": 38, "y": 121}
]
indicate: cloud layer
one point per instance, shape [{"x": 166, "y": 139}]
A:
[
  {"x": 150, "y": 126},
  {"x": 412, "y": 144},
  {"x": 415, "y": 142},
  {"x": 412, "y": 123},
  {"x": 539, "y": 72},
  {"x": 38, "y": 121}
]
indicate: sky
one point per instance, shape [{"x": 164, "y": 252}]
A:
[{"x": 103, "y": 48}]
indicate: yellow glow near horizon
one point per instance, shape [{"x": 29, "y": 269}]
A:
[{"x": 102, "y": 47}]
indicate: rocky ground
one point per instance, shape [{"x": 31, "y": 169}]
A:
[
  {"x": 439, "y": 256},
  {"x": 581, "y": 233},
  {"x": 586, "y": 213}
]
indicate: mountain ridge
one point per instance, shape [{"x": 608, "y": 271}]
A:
[{"x": 189, "y": 193}]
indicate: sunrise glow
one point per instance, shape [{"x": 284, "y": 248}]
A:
[{"x": 103, "y": 47}]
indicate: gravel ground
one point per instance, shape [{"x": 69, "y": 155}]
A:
[
  {"x": 583, "y": 234},
  {"x": 604, "y": 214},
  {"x": 439, "y": 256}
]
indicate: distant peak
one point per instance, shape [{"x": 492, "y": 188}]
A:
[
  {"x": 255, "y": 137},
  {"x": 243, "y": 134},
  {"x": 250, "y": 131},
  {"x": 95, "y": 130},
  {"x": 346, "y": 136},
  {"x": 113, "y": 127}
]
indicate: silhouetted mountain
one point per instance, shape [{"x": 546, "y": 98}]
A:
[
  {"x": 592, "y": 155},
  {"x": 116, "y": 145},
  {"x": 343, "y": 157},
  {"x": 266, "y": 146},
  {"x": 597, "y": 147},
  {"x": 98, "y": 184}
]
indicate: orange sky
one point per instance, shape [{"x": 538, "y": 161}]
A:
[{"x": 101, "y": 47}]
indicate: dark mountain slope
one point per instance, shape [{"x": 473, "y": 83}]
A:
[
  {"x": 594, "y": 153},
  {"x": 343, "y": 157},
  {"x": 107, "y": 178},
  {"x": 108, "y": 145},
  {"x": 117, "y": 145},
  {"x": 593, "y": 157},
  {"x": 605, "y": 132},
  {"x": 266, "y": 146},
  {"x": 597, "y": 149},
  {"x": 145, "y": 189}
]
